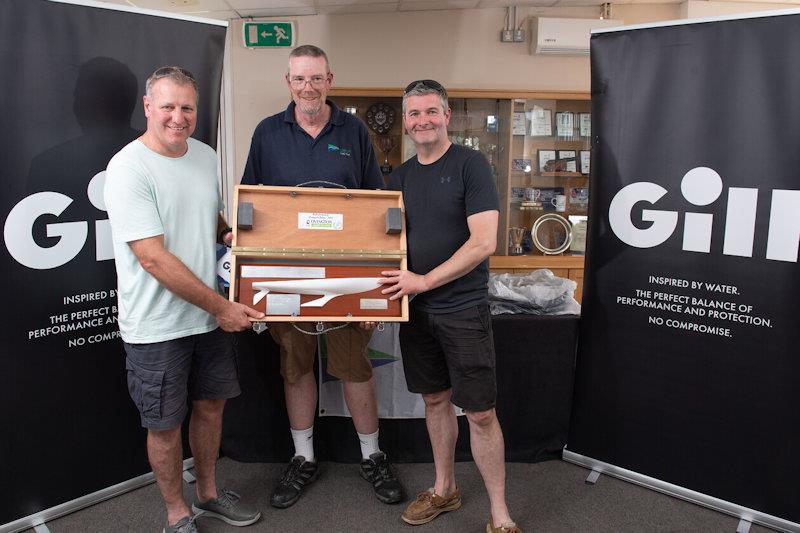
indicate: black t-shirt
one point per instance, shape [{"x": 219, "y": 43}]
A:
[{"x": 438, "y": 198}]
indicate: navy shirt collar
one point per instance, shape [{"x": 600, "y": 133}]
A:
[{"x": 337, "y": 118}]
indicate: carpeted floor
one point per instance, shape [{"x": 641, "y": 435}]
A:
[{"x": 543, "y": 497}]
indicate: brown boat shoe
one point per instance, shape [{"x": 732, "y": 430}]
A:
[
  {"x": 505, "y": 527},
  {"x": 429, "y": 505}
]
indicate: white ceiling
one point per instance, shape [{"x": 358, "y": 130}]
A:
[{"x": 231, "y": 9}]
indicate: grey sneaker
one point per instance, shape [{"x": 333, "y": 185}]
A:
[
  {"x": 184, "y": 525},
  {"x": 228, "y": 508}
]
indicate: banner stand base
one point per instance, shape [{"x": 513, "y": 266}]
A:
[
  {"x": 593, "y": 476},
  {"x": 743, "y": 513},
  {"x": 39, "y": 519}
]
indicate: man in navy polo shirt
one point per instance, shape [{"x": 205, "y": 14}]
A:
[{"x": 313, "y": 141}]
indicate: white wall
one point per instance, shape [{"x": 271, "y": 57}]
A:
[
  {"x": 460, "y": 48},
  {"x": 711, "y": 8}
]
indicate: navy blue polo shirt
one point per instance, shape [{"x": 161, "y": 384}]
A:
[{"x": 282, "y": 153}]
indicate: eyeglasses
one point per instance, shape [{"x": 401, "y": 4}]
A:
[
  {"x": 163, "y": 72},
  {"x": 426, "y": 84},
  {"x": 299, "y": 82}
]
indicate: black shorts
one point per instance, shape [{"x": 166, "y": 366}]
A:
[{"x": 451, "y": 350}]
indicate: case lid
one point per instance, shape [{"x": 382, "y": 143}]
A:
[{"x": 316, "y": 221}]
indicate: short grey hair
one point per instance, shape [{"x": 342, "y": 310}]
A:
[
  {"x": 179, "y": 75},
  {"x": 309, "y": 50},
  {"x": 420, "y": 89}
]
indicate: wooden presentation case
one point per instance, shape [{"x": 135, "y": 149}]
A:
[{"x": 274, "y": 235}]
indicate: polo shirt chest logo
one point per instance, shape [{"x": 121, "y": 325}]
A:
[
  {"x": 444, "y": 179},
  {"x": 347, "y": 152}
]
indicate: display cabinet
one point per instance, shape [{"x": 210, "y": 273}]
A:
[{"x": 538, "y": 145}]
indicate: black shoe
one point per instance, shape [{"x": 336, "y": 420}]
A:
[
  {"x": 298, "y": 474},
  {"x": 378, "y": 471}
]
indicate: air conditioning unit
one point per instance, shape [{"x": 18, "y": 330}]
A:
[{"x": 565, "y": 36}]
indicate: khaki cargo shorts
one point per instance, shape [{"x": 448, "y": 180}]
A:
[{"x": 346, "y": 348}]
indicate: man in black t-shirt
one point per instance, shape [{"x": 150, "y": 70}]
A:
[{"x": 448, "y": 353}]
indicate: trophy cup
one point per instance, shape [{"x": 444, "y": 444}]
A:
[
  {"x": 387, "y": 144},
  {"x": 490, "y": 151},
  {"x": 515, "y": 236}
]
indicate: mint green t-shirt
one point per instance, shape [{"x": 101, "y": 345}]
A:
[{"x": 146, "y": 195}]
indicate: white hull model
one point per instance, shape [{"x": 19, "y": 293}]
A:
[{"x": 328, "y": 288}]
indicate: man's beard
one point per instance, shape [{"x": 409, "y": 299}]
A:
[{"x": 310, "y": 109}]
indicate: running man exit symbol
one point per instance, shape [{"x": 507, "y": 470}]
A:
[{"x": 268, "y": 34}]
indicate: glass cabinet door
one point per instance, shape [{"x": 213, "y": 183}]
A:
[
  {"x": 536, "y": 143},
  {"x": 483, "y": 124},
  {"x": 474, "y": 123},
  {"x": 548, "y": 189}
]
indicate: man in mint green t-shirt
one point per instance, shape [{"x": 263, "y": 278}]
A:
[{"x": 163, "y": 202}]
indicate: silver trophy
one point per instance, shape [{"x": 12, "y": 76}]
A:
[
  {"x": 515, "y": 237},
  {"x": 387, "y": 144}
]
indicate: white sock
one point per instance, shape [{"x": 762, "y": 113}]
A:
[
  {"x": 369, "y": 444},
  {"x": 304, "y": 442}
]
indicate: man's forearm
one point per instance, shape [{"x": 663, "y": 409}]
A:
[
  {"x": 471, "y": 254},
  {"x": 177, "y": 278}
]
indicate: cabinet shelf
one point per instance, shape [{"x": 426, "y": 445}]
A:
[{"x": 561, "y": 175}]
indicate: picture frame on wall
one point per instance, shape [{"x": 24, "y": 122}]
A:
[
  {"x": 572, "y": 164},
  {"x": 578, "y": 196},
  {"x": 541, "y": 122},
  {"x": 586, "y": 158},
  {"x": 565, "y": 124},
  {"x": 544, "y": 157},
  {"x": 517, "y": 194},
  {"x": 585, "y": 124},
  {"x": 523, "y": 165},
  {"x": 518, "y": 124},
  {"x": 578, "y": 244}
]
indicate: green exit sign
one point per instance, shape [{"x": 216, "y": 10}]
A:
[{"x": 268, "y": 34}]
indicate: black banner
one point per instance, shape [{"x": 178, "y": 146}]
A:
[
  {"x": 688, "y": 350},
  {"x": 72, "y": 86}
]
